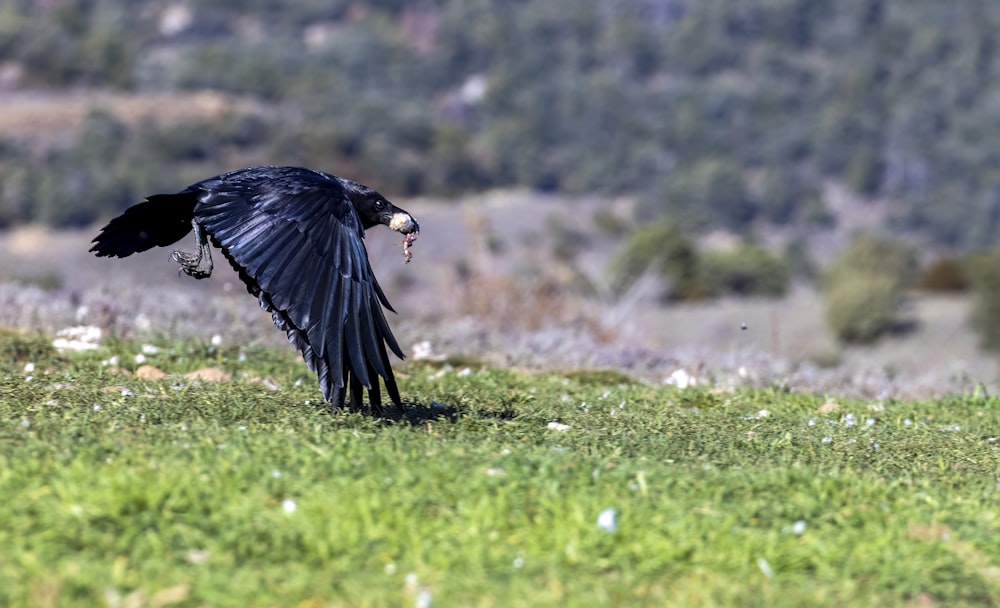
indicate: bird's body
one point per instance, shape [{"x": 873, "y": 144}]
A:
[{"x": 295, "y": 236}]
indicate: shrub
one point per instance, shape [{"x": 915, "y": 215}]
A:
[
  {"x": 664, "y": 248},
  {"x": 945, "y": 274},
  {"x": 873, "y": 255},
  {"x": 864, "y": 288},
  {"x": 860, "y": 308},
  {"x": 749, "y": 270}
]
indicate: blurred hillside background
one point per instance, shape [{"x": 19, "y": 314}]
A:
[{"x": 802, "y": 192}]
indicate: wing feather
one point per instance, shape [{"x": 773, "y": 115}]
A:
[{"x": 352, "y": 334}]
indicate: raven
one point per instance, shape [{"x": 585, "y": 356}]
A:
[{"x": 295, "y": 236}]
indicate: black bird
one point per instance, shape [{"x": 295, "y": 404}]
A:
[{"x": 295, "y": 236}]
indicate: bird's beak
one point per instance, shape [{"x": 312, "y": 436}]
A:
[{"x": 403, "y": 222}]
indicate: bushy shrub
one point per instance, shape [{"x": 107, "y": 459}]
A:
[
  {"x": 749, "y": 270},
  {"x": 663, "y": 248},
  {"x": 945, "y": 274},
  {"x": 862, "y": 307},
  {"x": 874, "y": 255},
  {"x": 865, "y": 286}
]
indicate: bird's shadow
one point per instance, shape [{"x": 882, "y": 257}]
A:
[{"x": 418, "y": 414}]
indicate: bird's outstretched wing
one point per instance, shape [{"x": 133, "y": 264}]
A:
[{"x": 297, "y": 244}]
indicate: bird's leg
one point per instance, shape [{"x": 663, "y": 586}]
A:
[
  {"x": 197, "y": 265},
  {"x": 355, "y": 404}
]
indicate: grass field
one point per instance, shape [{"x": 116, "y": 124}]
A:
[{"x": 497, "y": 488}]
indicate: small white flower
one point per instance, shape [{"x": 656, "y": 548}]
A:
[
  {"x": 827, "y": 439},
  {"x": 29, "y": 367},
  {"x": 26, "y": 423},
  {"x": 422, "y": 350},
  {"x": 681, "y": 379},
  {"x": 97, "y": 407},
  {"x": 870, "y": 422},
  {"x": 799, "y": 527},
  {"x": 149, "y": 349},
  {"x": 390, "y": 569},
  {"x": 126, "y": 392},
  {"x": 79, "y": 338},
  {"x": 288, "y": 505},
  {"x": 29, "y": 378},
  {"x": 197, "y": 556},
  {"x": 140, "y": 358},
  {"x": 216, "y": 340},
  {"x": 850, "y": 420},
  {"x": 423, "y": 599},
  {"x": 608, "y": 520},
  {"x": 765, "y": 567},
  {"x": 142, "y": 322},
  {"x": 276, "y": 473},
  {"x": 558, "y": 426},
  {"x": 518, "y": 562},
  {"x": 907, "y": 422},
  {"x": 763, "y": 414},
  {"x": 465, "y": 371}
]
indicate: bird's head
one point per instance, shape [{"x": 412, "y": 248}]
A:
[{"x": 374, "y": 209}]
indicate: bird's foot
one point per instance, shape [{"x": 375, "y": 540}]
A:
[
  {"x": 197, "y": 265},
  {"x": 191, "y": 264}
]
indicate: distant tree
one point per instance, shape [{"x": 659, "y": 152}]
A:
[{"x": 712, "y": 192}]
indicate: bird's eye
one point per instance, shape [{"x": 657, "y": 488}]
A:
[{"x": 379, "y": 203}]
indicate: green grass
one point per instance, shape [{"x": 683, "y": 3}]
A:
[{"x": 176, "y": 494}]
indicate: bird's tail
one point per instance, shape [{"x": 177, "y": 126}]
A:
[{"x": 160, "y": 220}]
